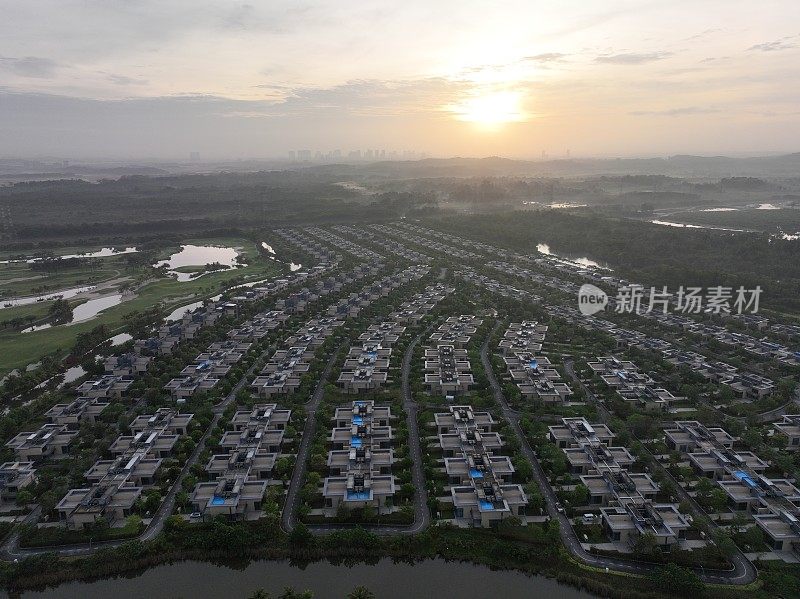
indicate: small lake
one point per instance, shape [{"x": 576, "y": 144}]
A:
[
  {"x": 198, "y": 255},
  {"x": 387, "y": 580},
  {"x": 178, "y": 313},
  {"x": 88, "y": 310},
  {"x": 120, "y": 339}
]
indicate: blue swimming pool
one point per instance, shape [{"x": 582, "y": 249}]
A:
[
  {"x": 474, "y": 473},
  {"x": 355, "y": 442},
  {"x": 358, "y": 495},
  {"x": 217, "y": 500},
  {"x": 358, "y": 419},
  {"x": 486, "y": 505}
]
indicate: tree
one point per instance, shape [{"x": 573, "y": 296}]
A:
[
  {"x": 300, "y": 536},
  {"x": 678, "y": 580},
  {"x": 361, "y": 592},
  {"x": 24, "y": 497},
  {"x": 646, "y": 544}
]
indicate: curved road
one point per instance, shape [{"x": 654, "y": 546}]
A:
[{"x": 743, "y": 572}]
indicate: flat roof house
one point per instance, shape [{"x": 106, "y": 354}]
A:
[
  {"x": 73, "y": 413},
  {"x": 15, "y": 476},
  {"x": 790, "y": 428},
  {"x": 183, "y": 387},
  {"x": 619, "y": 487},
  {"x": 753, "y": 493},
  {"x": 128, "y": 364},
  {"x": 463, "y": 417},
  {"x": 108, "y": 385},
  {"x": 230, "y": 495},
  {"x": 717, "y": 464},
  {"x": 627, "y": 523},
  {"x": 266, "y": 413},
  {"x": 51, "y": 441},
  {"x": 82, "y": 507},
  {"x": 447, "y": 371},
  {"x": 690, "y": 436},
  {"x": 576, "y": 432},
  {"x": 781, "y": 529}
]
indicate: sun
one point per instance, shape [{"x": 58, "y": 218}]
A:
[{"x": 491, "y": 109}]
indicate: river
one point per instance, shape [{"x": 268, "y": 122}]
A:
[{"x": 387, "y": 580}]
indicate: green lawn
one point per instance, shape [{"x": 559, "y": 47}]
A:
[{"x": 18, "y": 349}]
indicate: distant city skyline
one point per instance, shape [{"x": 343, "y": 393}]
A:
[{"x": 234, "y": 80}]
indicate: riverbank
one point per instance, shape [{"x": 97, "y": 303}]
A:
[{"x": 532, "y": 552}]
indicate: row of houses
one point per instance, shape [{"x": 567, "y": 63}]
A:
[
  {"x": 533, "y": 373},
  {"x": 627, "y": 500},
  {"x": 496, "y": 287},
  {"x": 446, "y": 364},
  {"x": 412, "y": 311},
  {"x": 631, "y": 385},
  {"x": 283, "y": 372},
  {"x": 53, "y": 440},
  {"x": 747, "y": 386},
  {"x": 309, "y": 245},
  {"x": 352, "y": 305},
  {"x": 118, "y": 483},
  {"x": 243, "y": 467},
  {"x": 409, "y": 234},
  {"x": 479, "y": 477},
  {"x": 379, "y": 238},
  {"x": 366, "y": 367},
  {"x": 773, "y": 504},
  {"x": 359, "y": 251},
  {"x": 360, "y": 460}
]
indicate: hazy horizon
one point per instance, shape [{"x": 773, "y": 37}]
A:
[{"x": 159, "y": 80}]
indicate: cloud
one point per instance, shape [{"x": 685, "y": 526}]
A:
[
  {"x": 633, "y": 58},
  {"x": 30, "y": 66},
  {"x": 546, "y": 57},
  {"x": 773, "y": 46},
  {"x": 685, "y": 111},
  {"x": 123, "y": 80}
]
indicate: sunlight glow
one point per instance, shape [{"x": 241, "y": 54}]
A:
[{"x": 490, "y": 109}]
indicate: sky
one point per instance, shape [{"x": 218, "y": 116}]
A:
[{"x": 142, "y": 79}]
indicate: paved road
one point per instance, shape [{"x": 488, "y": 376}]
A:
[
  {"x": 289, "y": 516},
  {"x": 743, "y": 572},
  {"x": 740, "y": 575},
  {"x": 421, "y": 512}
]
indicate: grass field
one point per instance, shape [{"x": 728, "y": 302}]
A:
[{"x": 19, "y": 349}]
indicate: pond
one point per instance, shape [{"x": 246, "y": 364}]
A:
[
  {"x": 178, "y": 313},
  {"x": 88, "y": 310},
  {"x": 120, "y": 339},
  {"x": 198, "y": 255},
  {"x": 387, "y": 580}
]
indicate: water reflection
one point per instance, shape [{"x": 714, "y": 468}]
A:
[
  {"x": 120, "y": 339},
  {"x": 386, "y": 579},
  {"x": 544, "y": 248},
  {"x": 93, "y": 307}
]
